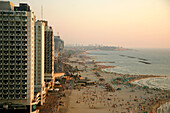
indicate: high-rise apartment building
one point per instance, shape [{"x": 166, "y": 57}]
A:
[
  {"x": 16, "y": 56},
  {"x": 49, "y": 54},
  {"x": 39, "y": 83}
]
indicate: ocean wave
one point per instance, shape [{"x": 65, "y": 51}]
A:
[{"x": 160, "y": 82}]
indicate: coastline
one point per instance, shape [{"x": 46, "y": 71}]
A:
[{"x": 99, "y": 70}]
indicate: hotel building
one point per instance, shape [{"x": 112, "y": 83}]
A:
[
  {"x": 39, "y": 83},
  {"x": 16, "y": 57}
]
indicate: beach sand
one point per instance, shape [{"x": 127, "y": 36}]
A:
[{"x": 95, "y": 99}]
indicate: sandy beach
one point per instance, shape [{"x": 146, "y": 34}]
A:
[{"x": 126, "y": 97}]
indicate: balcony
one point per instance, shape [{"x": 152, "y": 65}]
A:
[
  {"x": 24, "y": 97},
  {"x": 24, "y": 53},
  {"x": 6, "y": 58},
  {"x": 11, "y": 83},
  {"x": 24, "y": 83},
  {"x": 12, "y": 39},
  {"x": 18, "y": 97},
  {"x": 18, "y": 92},
  {"x": 6, "y": 69},
  {"x": 5, "y": 34},
  {"x": 12, "y": 73},
  {"x": 6, "y": 93},
  {"x": 19, "y": 59},
  {"x": 12, "y": 68},
  {"x": 6, "y": 24},
  {"x": 24, "y": 73},
  {"x": 11, "y": 78},
  {"x": 24, "y": 93},
  {"x": 5, "y": 83},
  {"x": 12, "y": 34},
  {"x": 24, "y": 64},
  {"x": 18, "y": 54},
  {"x": 24, "y": 49},
  {"x": 18, "y": 88},
  {"x": 24, "y": 34},
  {"x": 24, "y": 20},
  {"x": 13, "y": 44},
  {"x": 24, "y": 58},
  {"x": 12, "y": 24},
  {"x": 6, "y": 39},
  {"x": 24, "y": 24},
  {"x": 18, "y": 68},
  {"x": 6, "y": 49},
  {"x": 18, "y": 39},
  {"x": 18, "y": 29},
  {"x": 11, "y": 64},
  {"x": 11, "y": 93},
  {"x": 12, "y": 29},
  {"x": 18, "y": 78},
  {"x": 12, "y": 88},
  {"x": 12, "y": 19},
  {"x": 25, "y": 39},
  {"x": 18, "y": 83},
  {"x": 24, "y": 68},
  {"x": 18, "y": 34},
  {"x": 18, "y": 73},
  {"x": 4, "y": 63},
  {"x": 24, "y": 44},
  {"x": 24, "y": 78},
  {"x": 24, "y": 88},
  {"x": 18, "y": 44},
  {"x": 19, "y": 49},
  {"x": 13, "y": 49},
  {"x": 24, "y": 30}
]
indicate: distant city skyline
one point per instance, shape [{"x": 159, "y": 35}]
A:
[{"x": 126, "y": 23}]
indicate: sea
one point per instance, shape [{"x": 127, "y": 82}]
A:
[{"x": 138, "y": 62}]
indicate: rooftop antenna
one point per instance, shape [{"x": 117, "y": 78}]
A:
[{"x": 42, "y": 9}]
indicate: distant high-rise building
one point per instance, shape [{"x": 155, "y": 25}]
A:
[
  {"x": 58, "y": 46},
  {"x": 49, "y": 54},
  {"x": 58, "y": 53},
  {"x": 16, "y": 56},
  {"x": 39, "y": 83}
]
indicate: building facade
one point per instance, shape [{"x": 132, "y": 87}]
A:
[
  {"x": 49, "y": 54},
  {"x": 16, "y": 56},
  {"x": 39, "y": 84}
]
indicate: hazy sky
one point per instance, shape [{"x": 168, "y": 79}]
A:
[{"x": 127, "y": 23}]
